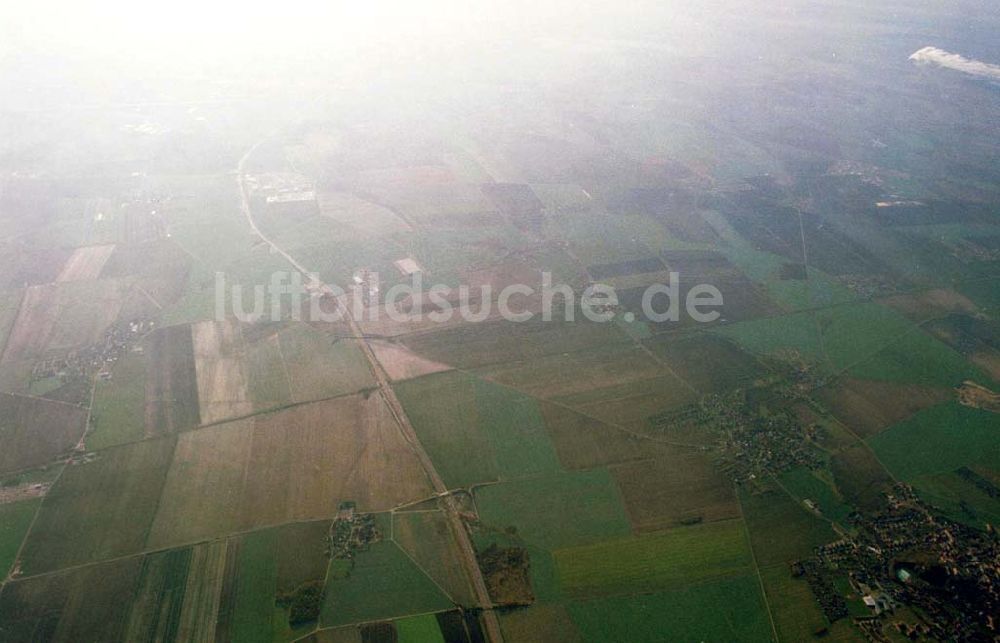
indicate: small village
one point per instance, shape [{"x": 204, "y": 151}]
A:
[
  {"x": 945, "y": 574},
  {"x": 352, "y": 532},
  {"x": 97, "y": 358}
]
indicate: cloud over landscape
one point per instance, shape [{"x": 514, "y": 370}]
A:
[{"x": 942, "y": 58}]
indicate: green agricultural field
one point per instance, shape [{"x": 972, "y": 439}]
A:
[
  {"x": 442, "y": 412},
  {"x": 15, "y": 519},
  {"x": 514, "y": 424},
  {"x": 543, "y": 573},
  {"x": 854, "y": 332},
  {"x": 797, "y": 616},
  {"x": 202, "y": 493},
  {"x": 559, "y": 510},
  {"x": 9, "y": 304},
  {"x": 89, "y": 603},
  {"x": 419, "y": 629},
  {"x": 384, "y": 584},
  {"x": 655, "y": 562},
  {"x": 248, "y": 612},
  {"x": 633, "y": 404},
  {"x": 789, "y": 334},
  {"x": 819, "y": 289},
  {"x": 939, "y": 439},
  {"x": 707, "y": 362},
  {"x": 171, "y": 381},
  {"x": 262, "y": 564},
  {"x": 860, "y": 477},
  {"x": 427, "y": 537},
  {"x": 159, "y": 596},
  {"x": 491, "y": 420},
  {"x": 727, "y": 610},
  {"x": 960, "y": 498},
  {"x": 918, "y": 358},
  {"x": 807, "y": 485},
  {"x": 446, "y": 254},
  {"x": 99, "y": 510},
  {"x": 869, "y": 340},
  {"x": 576, "y": 372},
  {"x": 598, "y": 238},
  {"x": 583, "y": 442},
  {"x": 267, "y": 376},
  {"x": 985, "y": 293},
  {"x": 321, "y": 365},
  {"x": 539, "y": 624},
  {"x": 781, "y": 529},
  {"x": 494, "y": 342},
  {"x": 118, "y": 414}
]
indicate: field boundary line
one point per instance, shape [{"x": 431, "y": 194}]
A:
[
  {"x": 756, "y": 566},
  {"x": 13, "y": 323},
  {"x": 41, "y": 505},
  {"x": 399, "y": 546}
]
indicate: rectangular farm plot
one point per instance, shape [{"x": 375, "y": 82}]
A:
[
  {"x": 796, "y": 335},
  {"x": 320, "y": 365},
  {"x": 494, "y": 342},
  {"x": 634, "y": 403},
  {"x": 99, "y": 510},
  {"x": 707, "y": 362},
  {"x": 204, "y": 485},
  {"x": 577, "y": 372},
  {"x": 559, "y": 510},
  {"x": 259, "y": 567},
  {"x": 539, "y": 624},
  {"x": 119, "y": 408},
  {"x": 85, "y": 263},
  {"x": 15, "y": 519},
  {"x": 797, "y": 615},
  {"x": 222, "y": 382},
  {"x": 514, "y": 425},
  {"x": 10, "y": 303},
  {"x": 964, "y": 495},
  {"x": 444, "y": 415},
  {"x": 583, "y": 442},
  {"x": 86, "y": 604},
  {"x": 682, "y": 488},
  {"x": 781, "y": 529},
  {"x": 307, "y": 459},
  {"x": 63, "y": 316},
  {"x": 941, "y": 438},
  {"x": 384, "y": 583},
  {"x": 171, "y": 382},
  {"x": 295, "y": 464},
  {"x": 419, "y": 629},
  {"x": 872, "y": 341},
  {"x": 400, "y": 363},
  {"x": 178, "y": 594},
  {"x": 661, "y": 561},
  {"x": 427, "y": 537},
  {"x": 496, "y": 431},
  {"x": 268, "y": 382},
  {"x": 860, "y": 478},
  {"x": 34, "y": 431},
  {"x": 727, "y": 610},
  {"x": 867, "y": 407},
  {"x": 918, "y": 358}
]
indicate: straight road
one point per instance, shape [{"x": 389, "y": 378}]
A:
[{"x": 314, "y": 285}]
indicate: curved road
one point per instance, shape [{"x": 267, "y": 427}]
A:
[{"x": 468, "y": 553}]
